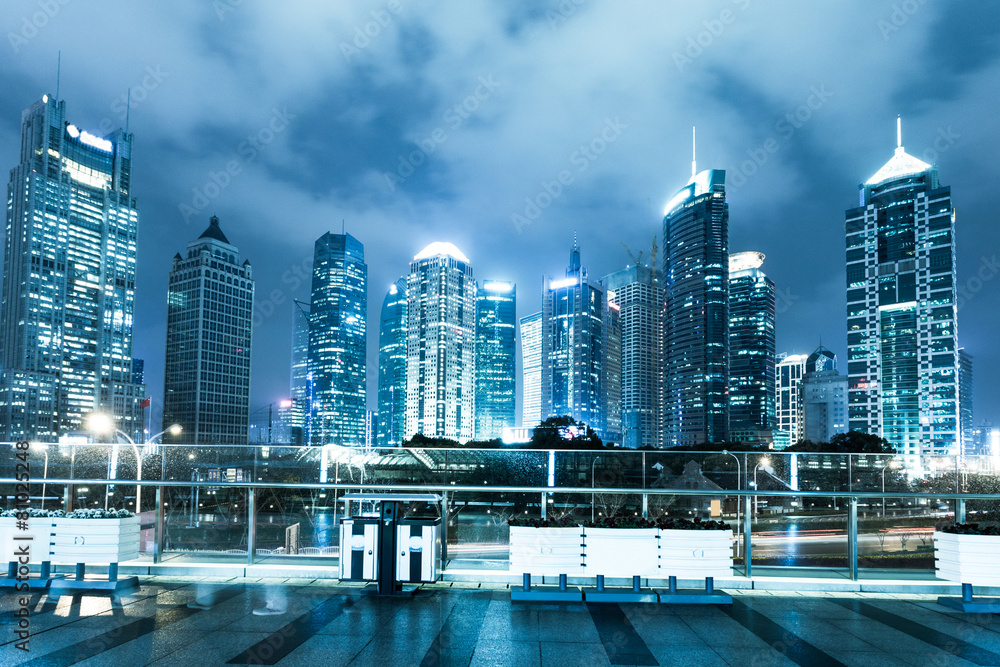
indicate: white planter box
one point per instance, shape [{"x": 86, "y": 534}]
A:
[
  {"x": 94, "y": 540},
  {"x": 696, "y": 554},
  {"x": 967, "y": 559},
  {"x": 546, "y": 550},
  {"x": 620, "y": 552},
  {"x": 38, "y": 530}
]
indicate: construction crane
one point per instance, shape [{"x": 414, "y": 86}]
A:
[{"x": 635, "y": 260}]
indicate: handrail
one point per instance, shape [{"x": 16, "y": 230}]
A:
[{"x": 524, "y": 489}]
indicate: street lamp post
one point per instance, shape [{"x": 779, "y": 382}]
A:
[
  {"x": 593, "y": 486},
  {"x": 738, "y": 499},
  {"x": 765, "y": 463},
  {"x": 45, "y": 472}
]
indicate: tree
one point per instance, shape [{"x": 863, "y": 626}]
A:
[{"x": 564, "y": 433}]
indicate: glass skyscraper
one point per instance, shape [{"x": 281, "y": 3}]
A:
[
  {"x": 531, "y": 370},
  {"x": 440, "y": 344},
  {"x": 789, "y": 410},
  {"x": 965, "y": 411},
  {"x": 206, "y": 378},
  {"x": 751, "y": 346},
  {"x": 338, "y": 318},
  {"x": 573, "y": 347},
  {"x": 636, "y": 292},
  {"x": 392, "y": 366},
  {"x": 69, "y": 281},
  {"x": 902, "y": 335},
  {"x": 300, "y": 386},
  {"x": 824, "y": 397},
  {"x": 496, "y": 317},
  {"x": 696, "y": 312}
]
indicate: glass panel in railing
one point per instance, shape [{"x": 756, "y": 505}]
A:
[
  {"x": 298, "y": 523},
  {"x": 894, "y": 535},
  {"x": 205, "y": 524},
  {"x": 811, "y": 533}
]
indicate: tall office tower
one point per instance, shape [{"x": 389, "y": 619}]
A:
[
  {"x": 69, "y": 281},
  {"x": 751, "y": 348},
  {"x": 206, "y": 378},
  {"x": 696, "y": 312},
  {"x": 788, "y": 373},
  {"x": 496, "y": 317},
  {"x": 636, "y": 292},
  {"x": 573, "y": 339},
  {"x": 824, "y": 397},
  {"x": 902, "y": 360},
  {"x": 440, "y": 344},
  {"x": 965, "y": 400},
  {"x": 392, "y": 366},
  {"x": 611, "y": 373},
  {"x": 299, "y": 385},
  {"x": 338, "y": 319},
  {"x": 531, "y": 370}
]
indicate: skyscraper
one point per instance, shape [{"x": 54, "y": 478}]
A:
[
  {"x": 696, "y": 312},
  {"x": 902, "y": 360},
  {"x": 300, "y": 385},
  {"x": 824, "y": 397},
  {"x": 392, "y": 366},
  {"x": 338, "y": 319},
  {"x": 440, "y": 344},
  {"x": 531, "y": 370},
  {"x": 573, "y": 340},
  {"x": 206, "y": 385},
  {"x": 69, "y": 280},
  {"x": 635, "y": 290},
  {"x": 496, "y": 316},
  {"x": 965, "y": 411},
  {"x": 790, "y": 414},
  {"x": 751, "y": 347}
]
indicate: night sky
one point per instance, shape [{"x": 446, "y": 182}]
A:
[{"x": 505, "y": 127}]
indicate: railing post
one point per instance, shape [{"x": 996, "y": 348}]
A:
[
  {"x": 251, "y": 525},
  {"x": 645, "y": 506},
  {"x": 159, "y": 528},
  {"x": 444, "y": 528},
  {"x": 747, "y": 524},
  {"x": 960, "y": 510},
  {"x": 852, "y": 539},
  {"x": 544, "y": 506}
]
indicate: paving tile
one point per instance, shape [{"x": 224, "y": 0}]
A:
[
  {"x": 564, "y": 654},
  {"x": 493, "y": 653}
]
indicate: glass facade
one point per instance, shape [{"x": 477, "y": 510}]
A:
[
  {"x": 531, "y": 370},
  {"x": 440, "y": 345},
  {"x": 66, "y": 311},
  {"x": 392, "y": 365},
  {"x": 495, "y": 351},
  {"x": 573, "y": 348},
  {"x": 206, "y": 385},
  {"x": 338, "y": 318},
  {"x": 300, "y": 387},
  {"x": 696, "y": 312},
  {"x": 636, "y": 292},
  {"x": 966, "y": 415},
  {"x": 751, "y": 344},
  {"x": 903, "y": 361},
  {"x": 789, "y": 409}
]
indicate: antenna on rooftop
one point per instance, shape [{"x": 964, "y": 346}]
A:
[
  {"x": 899, "y": 131},
  {"x": 128, "y": 110},
  {"x": 694, "y": 167},
  {"x": 58, "y": 72},
  {"x": 343, "y": 226}
]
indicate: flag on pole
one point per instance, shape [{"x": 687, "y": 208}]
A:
[{"x": 146, "y": 402}]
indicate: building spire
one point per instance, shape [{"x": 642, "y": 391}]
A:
[
  {"x": 58, "y": 72},
  {"x": 694, "y": 162},
  {"x": 899, "y": 131}
]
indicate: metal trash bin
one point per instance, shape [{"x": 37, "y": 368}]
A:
[
  {"x": 359, "y": 549},
  {"x": 418, "y": 550}
]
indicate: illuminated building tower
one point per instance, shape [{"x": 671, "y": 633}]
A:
[
  {"x": 300, "y": 386},
  {"x": 696, "y": 312},
  {"x": 965, "y": 401},
  {"x": 496, "y": 317},
  {"x": 824, "y": 397},
  {"x": 531, "y": 370},
  {"x": 392, "y": 366},
  {"x": 751, "y": 348},
  {"x": 636, "y": 292},
  {"x": 338, "y": 318},
  {"x": 574, "y": 312},
  {"x": 68, "y": 282},
  {"x": 902, "y": 361},
  {"x": 440, "y": 344},
  {"x": 206, "y": 378},
  {"x": 789, "y": 410}
]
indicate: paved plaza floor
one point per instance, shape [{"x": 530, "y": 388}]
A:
[{"x": 327, "y": 623}]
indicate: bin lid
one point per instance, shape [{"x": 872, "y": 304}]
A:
[{"x": 393, "y": 497}]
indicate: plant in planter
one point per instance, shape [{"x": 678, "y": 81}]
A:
[
  {"x": 695, "y": 549},
  {"x": 545, "y": 546},
  {"x": 38, "y": 527},
  {"x": 94, "y": 536}
]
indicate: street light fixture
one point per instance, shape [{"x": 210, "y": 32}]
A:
[
  {"x": 593, "y": 485},
  {"x": 738, "y": 499}
]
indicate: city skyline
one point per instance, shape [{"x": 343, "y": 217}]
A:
[{"x": 788, "y": 180}]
